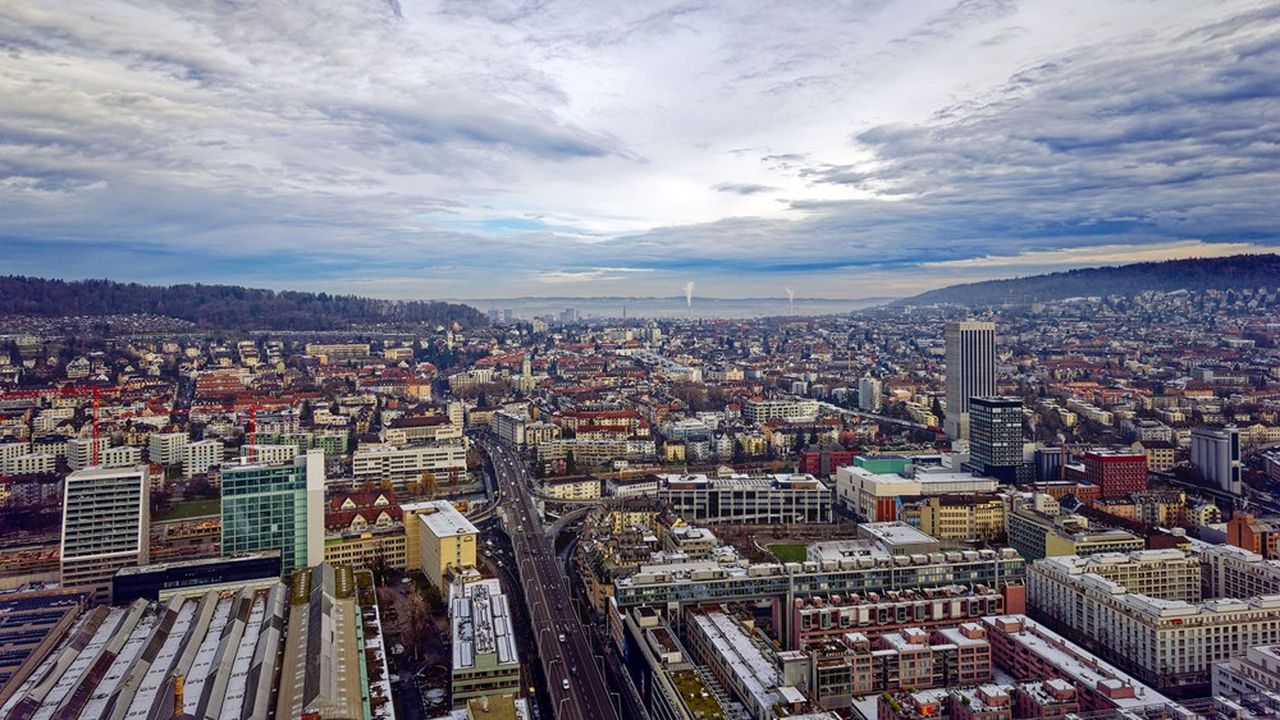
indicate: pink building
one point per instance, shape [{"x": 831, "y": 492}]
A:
[{"x": 817, "y": 619}]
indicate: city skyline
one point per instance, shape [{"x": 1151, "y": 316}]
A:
[{"x": 413, "y": 150}]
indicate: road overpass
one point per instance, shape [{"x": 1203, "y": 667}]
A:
[{"x": 574, "y": 681}]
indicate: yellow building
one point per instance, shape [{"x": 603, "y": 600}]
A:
[
  {"x": 1161, "y": 455},
  {"x": 446, "y": 540},
  {"x": 963, "y": 517},
  {"x": 752, "y": 444},
  {"x": 674, "y": 452},
  {"x": 361, "y": 551},
  {"x": 579, "y": 487}
]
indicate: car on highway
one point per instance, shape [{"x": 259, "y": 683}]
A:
[
  {"x": 565, "y": 683},
  {"x": 561, "y": 637}
]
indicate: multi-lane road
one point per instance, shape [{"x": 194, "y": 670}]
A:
[{"x": 574, "y": 680}]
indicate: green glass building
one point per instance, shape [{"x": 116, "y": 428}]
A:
[{"x": 275, "y": 507}]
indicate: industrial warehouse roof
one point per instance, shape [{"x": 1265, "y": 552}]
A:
[{"x": 119, "y": 663}]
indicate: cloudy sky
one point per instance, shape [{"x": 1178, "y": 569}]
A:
[{"x": 464, "y": 148}]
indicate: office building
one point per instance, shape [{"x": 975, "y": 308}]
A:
[
  {"x": 485, "y": 658},
  {"x": 1215, "y": 453},
  {"x": 275, "y": 507},
  {"x": 1116, "y": 472},
  {"x": 964, "y": 518},
  {"x": 1168, "y": 643},
  {"x": 757, "y": 500},
  {"x": 446, "y": 540},
  {"x": 870, "y": 394},
  {"x": 1040, "y": 532},
  {"x": 995, "y": 437},
  {"x": 105, "y": 526},
  {"x": 873, "y": 490},
  {"x": 1164, "y": 574},
  {"x": 1229, "y": 571},
  {"x": 1256, "y": 672},
  {"x": 971, "y": 371}
]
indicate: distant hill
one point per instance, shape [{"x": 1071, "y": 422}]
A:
[
  {"x": 226, "y": 307},
  {"x": 1236, "y": 271}
]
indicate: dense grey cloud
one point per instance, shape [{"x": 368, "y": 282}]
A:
[{"x": 480, "y": 149}]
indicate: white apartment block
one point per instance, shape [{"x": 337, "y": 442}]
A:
[
  {"x": 198, "y": 457},
  {"x": 401, "y": 466},
  {"x": 596, "y": 451},
  {"x": 1168, "y": 643},
  {"x": 791, "y": 410},
  {"x": 105, "y": 526},
  {"x": 1230, "y": 571},
  {"x": 80, "y": 451},
  {"x": 269, "y": 454},
  {"x": 120, "y": 456},
  {"x": 14, "y": 449},
  {"x": 166, "y": 448},
  {"x": 29, "y": 464},
  {"x": 1166, "y": 574}
]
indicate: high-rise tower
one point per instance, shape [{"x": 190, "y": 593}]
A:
[{"x": 971, "y": 371}]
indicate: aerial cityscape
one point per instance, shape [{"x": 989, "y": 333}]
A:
[{"x": 572, "y": 360}]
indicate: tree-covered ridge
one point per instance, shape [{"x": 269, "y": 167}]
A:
[
  {"x": 220, "y": 306},
  {"x": 1224, "y": 273}
]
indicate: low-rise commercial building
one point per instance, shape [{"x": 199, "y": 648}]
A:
[
  {"x": 1038, "y": 534},
  {"x": 741, "y": 499},
  {"x": 744, "y": 665},
  {"x": 485, "y": 659},
  {"x": 873, "y": 493}
]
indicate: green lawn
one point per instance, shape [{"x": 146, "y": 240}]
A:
[
  {"x": 193, "y": 508},
  {"x": 789, "y": 553}
]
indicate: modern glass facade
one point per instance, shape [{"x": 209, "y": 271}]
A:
[{"x": 268, "y": 507}]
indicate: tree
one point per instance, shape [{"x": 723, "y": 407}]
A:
[
  {"x": 415, "y": 615},
  {"x": 570, "y": 464}
]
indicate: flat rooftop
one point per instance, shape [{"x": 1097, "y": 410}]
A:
[{"x": 442, "y": 518}]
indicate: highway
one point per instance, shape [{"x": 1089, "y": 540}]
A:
[{"x": 546, "y": 592}]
